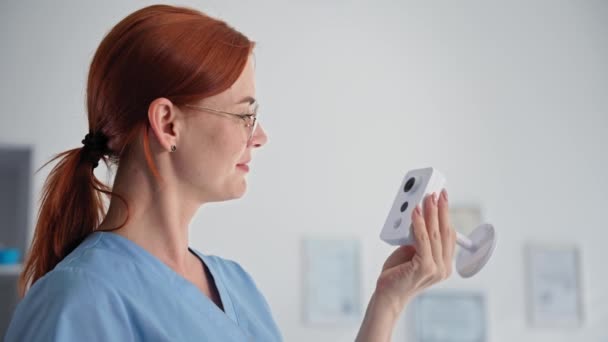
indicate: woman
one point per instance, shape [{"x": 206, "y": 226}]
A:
[{"x": 171, "y": 102}]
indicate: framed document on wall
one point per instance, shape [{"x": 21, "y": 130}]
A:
[
  {"x": 332, "y": 281},
  {"x": 465, "y": 218},
  {"x": 554, "y": 298},
  {"x": 450, "y": 317}
]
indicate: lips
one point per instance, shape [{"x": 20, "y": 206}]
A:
[
  {"x": 245, "y": 162},
  {"x": 243, "y": 165}
]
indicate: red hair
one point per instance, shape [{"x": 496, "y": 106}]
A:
[{"x": 159, "y": 51}]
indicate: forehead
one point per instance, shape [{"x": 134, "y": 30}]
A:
[{"x": 243, "y": 86}]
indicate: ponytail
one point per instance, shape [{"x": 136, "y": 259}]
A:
[{"x": 71, "y": 208}]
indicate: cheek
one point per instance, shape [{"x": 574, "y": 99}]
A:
[
  {"x": 224, "y": 146},
  {"x": 215, "y": 153}
]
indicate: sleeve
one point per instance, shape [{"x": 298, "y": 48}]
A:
[{"x": 70, "y": 305}]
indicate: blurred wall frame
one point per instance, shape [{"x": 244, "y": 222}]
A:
[
  {"x": 450, "y": 316},
  {"x": 554, "y": 290},
  {"x": 331, "y": 269},
  {"x": 465, "y": 217}
]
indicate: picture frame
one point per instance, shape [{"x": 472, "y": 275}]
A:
[
  {"x": 554, "y": 289},
  {"x": 332, "y": 281},
  {"x": 450, "y": 316},
  {"x": 465, "y": 218}
]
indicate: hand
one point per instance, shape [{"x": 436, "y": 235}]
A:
[{"x": 411, "y": 269}]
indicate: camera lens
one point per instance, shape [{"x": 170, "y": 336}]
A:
[
  {"x": 404, "y": 207},
  {"x": 409, "y": 184}
]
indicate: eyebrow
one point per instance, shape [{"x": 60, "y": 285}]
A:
[{"x": 246, "y": 99}]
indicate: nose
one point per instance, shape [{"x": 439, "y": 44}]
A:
[{"x": 259, "y": 138}]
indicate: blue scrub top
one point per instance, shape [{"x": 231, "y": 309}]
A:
[{"x": 110, "y": 289}]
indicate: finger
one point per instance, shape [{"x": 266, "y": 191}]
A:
[
  {"x": 432, "y": 225},
  {"x": 421, "y": 236},
  {"x": 448, "y": 235}
]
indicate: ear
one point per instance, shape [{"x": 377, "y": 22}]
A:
[{"x": 162, "y": 115}]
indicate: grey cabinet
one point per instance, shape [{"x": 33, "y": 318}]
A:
[{"x": 15, "y": 187}]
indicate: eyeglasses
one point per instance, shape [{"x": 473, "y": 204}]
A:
[{"x": 251, "y": 120}]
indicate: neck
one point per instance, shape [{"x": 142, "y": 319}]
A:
[{"x": 158, "y": 218}]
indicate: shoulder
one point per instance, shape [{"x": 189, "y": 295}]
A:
[{"x": 69, "y": 304}]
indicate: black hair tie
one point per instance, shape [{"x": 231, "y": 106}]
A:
[{"x": 95, "y": 146}]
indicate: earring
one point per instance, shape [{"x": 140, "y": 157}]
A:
[{"x": 173, "y": 148}]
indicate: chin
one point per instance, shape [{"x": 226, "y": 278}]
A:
[
  {"x": 235, "y": 192},
  {"x": 241, "y": 191}
]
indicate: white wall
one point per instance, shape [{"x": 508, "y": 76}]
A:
[{"x": 508, "y": 99}]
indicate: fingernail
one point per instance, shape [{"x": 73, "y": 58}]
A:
[
  {"x": 444, "y": 193},
  {"x": 417, "y": 210},
  {"x": 434, "y": 198}
]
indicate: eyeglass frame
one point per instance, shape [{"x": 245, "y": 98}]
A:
[{"x": 252, "y": 116}]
